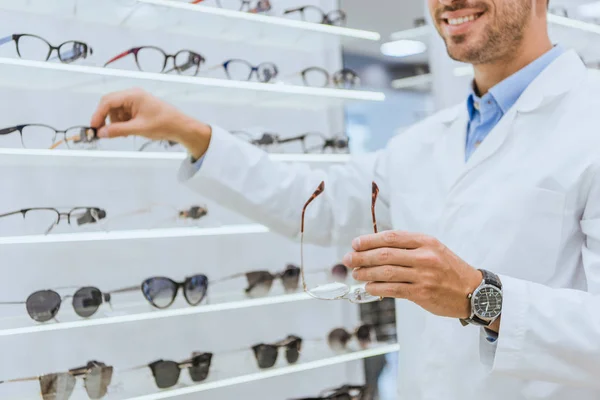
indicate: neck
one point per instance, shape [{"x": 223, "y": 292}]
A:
[{"x": 489, "y": 75}]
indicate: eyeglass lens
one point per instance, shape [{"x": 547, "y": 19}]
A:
[
  {"x": 97, "y": 380},
  {"x": 43, "y": 305},
  {"x": 267, "y": 354},
  {"x": 57, "y": 386},
  {"x": 161, "y": 291},
  {"x": 86, "y": 301}
]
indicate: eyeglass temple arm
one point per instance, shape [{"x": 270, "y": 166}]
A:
[
  {"x": 375, "y": 194},
  {"x": 293, "y": 10},
  {"x": 32, "y": 378},
  {"x": 228, "y": 278},
  {"x": 320, "y": 189},
  {"x": 119, "y": 56},
  {"x": 11, "y": 303},
  {"x": 12, "y": 213},
  {"x": 292, "y": 139},
  {"x": 125, "y": 290},
  {"x": 6, "y": 131},
  {"x": 6, "y": 39}
]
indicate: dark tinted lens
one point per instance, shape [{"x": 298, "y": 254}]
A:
[
  {"x": 341, "y": 396},
  {"x": 86, "y": 301},
  {"x": 291, "y": 278},
  {"x": 266, "y": 355},
  {"x": 42, "y": 306},
  {"x": 339, "y": 273},
  {"x": 338, "y": 339},
  {"x": 363, "y": 334},
  {"x": 259, "y": 283},
  {"x": 97, "y": 381},
  {"x": 57, "y": 386},
  {"x": 195, "y": 289},
  {"x": 166, "y": 373},
  {"x": 292, "y": 351},
  {"x": 200, "y": 367},
  {"x": 160, "y": 292}
]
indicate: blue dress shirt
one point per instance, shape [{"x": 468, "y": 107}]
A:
[{"x": 485, "y": 112}]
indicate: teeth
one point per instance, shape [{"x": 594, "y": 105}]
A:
[{"x": 462, "y": 20}]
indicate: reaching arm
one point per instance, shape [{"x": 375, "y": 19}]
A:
[{"x": 245, "y": 179}]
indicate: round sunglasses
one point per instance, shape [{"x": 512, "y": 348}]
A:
[
  {"x": 161, "y": 292},
  {"x": 339, "y": 338}
]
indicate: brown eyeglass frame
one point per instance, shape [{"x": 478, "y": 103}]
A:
[{"x": 317, "y": 193}]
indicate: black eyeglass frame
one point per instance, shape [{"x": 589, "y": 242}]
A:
[{"x": 327, "y": 18}]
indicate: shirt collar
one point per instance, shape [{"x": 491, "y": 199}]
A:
[{"x": 506, "y": 93}]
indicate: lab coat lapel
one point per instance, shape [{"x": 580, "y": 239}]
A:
[{"x": 450, "y": 150}]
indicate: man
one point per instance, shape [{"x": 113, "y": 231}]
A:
[{"x": 508, "y": 183}]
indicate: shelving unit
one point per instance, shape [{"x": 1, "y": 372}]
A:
[
  {"x": 292, "y": 369},
  {"x": 47, "y": 76},
  {"x": 179, "y": 17},
  {"x": 110, "y": 159}
]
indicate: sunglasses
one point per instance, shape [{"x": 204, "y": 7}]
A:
[
  {"x": 336, "y": 291},
  {"x": 161, "y": 292},
  {"x": 50, "y": 217},
  {"x": 346, "y": 392},
  {"x": 267, "y": 354},
  {"x": 318, "y": 16},
  {"x": 33, "y": 47},
  {"x": 338, "y": 338},
  {"x": 261, "y": 282},
  {"x": 251, "y": 6},
  {"x": 43, "y": 305},
  {"x": 242, "y": 70},
  {"x": 155, "y": 59},
  {"x": 166, "y": 373},
  {"x": 47, "y": 137},
  {"x": 96, "y": 379}
]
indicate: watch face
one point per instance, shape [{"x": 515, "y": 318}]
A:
[{"x": 487, "y": 302}]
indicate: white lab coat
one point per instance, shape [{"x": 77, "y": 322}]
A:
[{"x": 526, "y": 206}]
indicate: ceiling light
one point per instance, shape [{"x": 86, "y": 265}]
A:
[{"x": 403, "y": 48}]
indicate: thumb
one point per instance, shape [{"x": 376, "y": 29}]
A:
[{"x": 120, "y": 129}]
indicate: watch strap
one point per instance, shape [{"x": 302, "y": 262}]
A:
[{"x": 491, "y": 279}]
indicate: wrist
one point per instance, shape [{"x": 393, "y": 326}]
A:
[
  {"x": 194, "y": 136},
  {"x": 472, "y": 283}
]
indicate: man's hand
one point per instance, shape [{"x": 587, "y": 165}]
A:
[
  {"x": 414, "y": 267},
  {"x": 135, "y": 112}
]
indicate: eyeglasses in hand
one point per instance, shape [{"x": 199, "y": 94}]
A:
[
  {"x": 318, "y": 16},
  {"x": 50, "y": 217},
  {"x": 155, "y": 59},
  {"x": 250, "y": 6},
  {"x": 46, "y": 137},
  {"x": 267, "y": 354},
  {"x": 43, "y": 305},
  {"x": 33, "y": 47},
  {"x": 97, "y": 377},
  {"x": 336, "y": 291},
  {"x": 242, "y": 70}
]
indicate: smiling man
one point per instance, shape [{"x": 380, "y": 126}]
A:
[{"x": 492, "y": 209}]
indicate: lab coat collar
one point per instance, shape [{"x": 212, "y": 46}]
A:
[{"x": 558, "y": 78}]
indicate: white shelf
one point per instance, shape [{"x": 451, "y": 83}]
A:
[
  {"x": 195, "y": 20},
  {"x": 49, "y": 76},
  {"x": 108, "y": 159},
  {"x": 420, "y": 33},
  {"x": 161, "y": 314},
  {"x": 134, "y": 234},
  {"x": 271, "y": 373},
  {"x": 574, "y": 23}
]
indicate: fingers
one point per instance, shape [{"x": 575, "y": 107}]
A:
[
  {"x": 399, "y": 239},
  {"x": 381, "y": 256},
  {"x": 385, "y": 273},
  {"x": 393, "y": 290},
  {"x": 123, "y": 99},
  {"x": 120, "y": 129}
]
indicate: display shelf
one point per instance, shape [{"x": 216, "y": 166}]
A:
[
  {"x": 108, "y": 159},
  {"x": 49, "y": 76},
  {"x": 420, "y": 33},
  {"x": 160, "y": 314},
  {"x": 272, "y": 373},
  {"x": 574, "y": 23},
  {"x": 194, "y": 20},
  {"x": 248, "y": 229},
  {"x": 411, "y": 82}
]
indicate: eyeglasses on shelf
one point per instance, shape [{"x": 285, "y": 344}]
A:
[
  {"x": 242, "y": 70},
  {"x": 345, "y": 392},
  {"x": 96, "y": 375},
  {"x": 318, "y": 16},
  {"x": 44, "y": 305},
  {"x": 339, "y": 338},
  {"x": 48, "y": 218},
  {"x": 166, "y": 373},
  {"x": 33, "y": 47},
  {"x": 311, "y": 142},
  {"x": 154, "y": 59},
  {"x": 250, "y": 6},
  {"x": 267, "y": 354},
  {"x": 336, "y": 291},
  {"x": 320, "y": 77},
  {"x": 42, "y": 136}
]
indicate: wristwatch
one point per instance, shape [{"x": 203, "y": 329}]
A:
[{"x": 486, "y": 301}]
